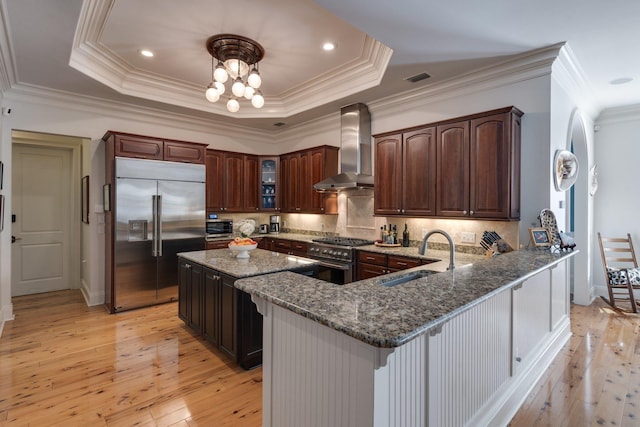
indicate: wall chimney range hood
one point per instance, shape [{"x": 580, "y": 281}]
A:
[{"x": 355, "y": 151}]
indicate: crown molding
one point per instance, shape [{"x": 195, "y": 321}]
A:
[
  {"x": 7, "y": 64},
  {"x": 94, "y": 59},
  {"x": 627, "y": 113},
  {"x": 527, "y": 66},
  {"x": 568, "y": 73},
  {"x": 50, "y": 98}
]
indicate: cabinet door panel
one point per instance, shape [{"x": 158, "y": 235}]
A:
[
  {"x": 251, "y": 184},
  {"x": 215, "y": 181},
  {"x": 419, "y": 172},
  {"x": 138, "y": 147},
  {"x": 492, "y": 167},
  {"x": 368, "y": 271},
  {"x": 184, "y": 152},
  {"x": 211, "y": 306},
  {"x": 453, "y": 172},
  {"x": 306, "y": 186},
  {"x": 388, "y": 175},
  {"x": 228, "y": 307},
  {"x": 234, "y": 182}
]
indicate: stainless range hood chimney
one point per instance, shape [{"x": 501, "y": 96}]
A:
[{"x": 355, "y": 151}]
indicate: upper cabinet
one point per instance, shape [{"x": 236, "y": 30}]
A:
[
  {"x": 462, "y": 168},
  {"x": 270, "y": 188},
  {"x": 299, "y": 171},
  {"x": 143, "y": 147},
  {"x": 405, "y": 173},
  {"x": 232, "y": 182}
]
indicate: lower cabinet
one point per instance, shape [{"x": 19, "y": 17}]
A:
[
  {"x": 373, "y": 264},
  {"x": 225, "y": 316}
]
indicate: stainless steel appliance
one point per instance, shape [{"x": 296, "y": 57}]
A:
[
  {"x": 274, "y": 223},
  {"x": 218, "y": 227},
  {"x": 159, "y": 211},
  {"x": 337, "y": 257}
]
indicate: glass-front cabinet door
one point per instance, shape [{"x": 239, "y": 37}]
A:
[{"x": 269, "y": 185}]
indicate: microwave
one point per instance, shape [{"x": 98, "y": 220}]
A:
[{"x": 218, "y": 227}]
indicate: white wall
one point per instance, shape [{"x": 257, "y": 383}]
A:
[{"x": 616, "y": 203}]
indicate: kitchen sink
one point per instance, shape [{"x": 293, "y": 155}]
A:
[{"x": 399, "y": 280}]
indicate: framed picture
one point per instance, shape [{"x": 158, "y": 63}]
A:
[
  {"x": 1, "y": 173},
  {"x": 540, "y": 237},
  {"x": 85, "y": 199},
  {"x": 106, "y": 197}
]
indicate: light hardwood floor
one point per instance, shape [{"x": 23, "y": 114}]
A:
[{"x": 65, "y": 364}]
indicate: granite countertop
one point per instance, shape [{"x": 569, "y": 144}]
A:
[
  {"x": 391, "y": 316},
  {"x": 259, "y": 262}
]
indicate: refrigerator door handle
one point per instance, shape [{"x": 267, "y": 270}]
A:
[
  {"x": 154, "y": 234},
  {"x": 159, "y": 218}
]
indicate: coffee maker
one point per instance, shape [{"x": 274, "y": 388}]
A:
[{"x": 274, "y": 223}]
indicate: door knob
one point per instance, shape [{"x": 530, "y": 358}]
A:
[{"x": 14, "y": 238}]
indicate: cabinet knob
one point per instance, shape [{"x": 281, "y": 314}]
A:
[
  {"x": 398, "y": 210},
  {"x": 464, "y": 212},
  {"x": 470, "y": 212}
]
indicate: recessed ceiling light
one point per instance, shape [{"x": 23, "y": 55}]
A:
[
  {"x": 146, "y": 52},
  {"x": 621, "y": 81},
  {"x": 328, "y": 46}
]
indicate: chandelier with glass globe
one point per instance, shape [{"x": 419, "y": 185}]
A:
[{"x": 237, "y": 62}]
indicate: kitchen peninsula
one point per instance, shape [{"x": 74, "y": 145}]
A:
[
  {"x": 225, "y": 316},
  {"x": 455, "y": 348}
]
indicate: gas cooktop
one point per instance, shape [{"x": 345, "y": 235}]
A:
[{"x": 343, "y": 241}]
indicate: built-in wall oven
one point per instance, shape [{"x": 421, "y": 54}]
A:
[{"x": 337, "y": 258}]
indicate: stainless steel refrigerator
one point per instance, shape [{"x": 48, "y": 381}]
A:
[{"x": 160, "y": 211}]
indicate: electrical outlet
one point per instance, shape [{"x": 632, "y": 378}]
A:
[
  {"x": 467, "y": 237},
  {"x": 424, "y": 232}
]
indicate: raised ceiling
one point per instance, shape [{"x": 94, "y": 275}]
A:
[{"x": 92, "y": 48}]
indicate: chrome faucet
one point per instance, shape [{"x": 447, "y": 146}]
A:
[{"x": 452, "y": 248}]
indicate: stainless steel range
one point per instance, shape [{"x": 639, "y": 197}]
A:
[{"x": 337, "y": 257}]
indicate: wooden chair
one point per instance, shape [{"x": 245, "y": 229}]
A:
[{"x": 620, "y": 270}]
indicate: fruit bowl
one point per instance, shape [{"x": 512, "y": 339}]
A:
[{"x": 242, "y": 251}]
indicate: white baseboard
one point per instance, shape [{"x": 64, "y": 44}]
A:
[
  {"x": 91, "y": 297},
  {"x": 6, "y": 314}
]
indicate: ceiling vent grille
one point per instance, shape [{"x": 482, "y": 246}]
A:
[
  {"x": 279, "y": 124},
  {"x": 417, "y": 77}
]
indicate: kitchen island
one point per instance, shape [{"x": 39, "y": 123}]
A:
[
  {"x": 211, "y": 305},
  {"x": 460, "y": 347}
]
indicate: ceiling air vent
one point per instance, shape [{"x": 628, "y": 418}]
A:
[
  {"x": 279, "y": 124},
  {"x": 417, "y": 77}
]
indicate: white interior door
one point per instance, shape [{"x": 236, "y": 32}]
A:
[{"x": 41, "y": 191}]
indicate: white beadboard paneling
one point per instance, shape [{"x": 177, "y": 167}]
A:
[{"x": 469, "y": 361}]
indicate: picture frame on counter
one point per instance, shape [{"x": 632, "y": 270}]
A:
[{"x": 540, "y": 237}]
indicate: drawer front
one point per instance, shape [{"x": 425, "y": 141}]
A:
[
  {"x": 402, "y": 263},
  {"x": 372, "y": 258},
  {"x": 299, "y": 246},
  {"x": 184, "y": 152},
  {"x": 138, "y": 147},
  {"x": 218, "y": 244},
  {"x": 368, "y": 271},
  {"x": 280, "y": 245}
]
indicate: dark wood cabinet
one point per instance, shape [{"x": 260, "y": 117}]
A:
[
  {"x": 494, "y": 190},
  {"x": 299, "y": 171},
  {"x": 185, "y": 152},
  {"x": 405, "y": 178},
  {"x": 214, "y": 180},
  {"x": 461, "y": 168},
  {"x": 289, "y": 247},
  {"x": 228, "y": 322},
  {"x": 146, "y": 147},
  {"x": 190, "y": 294},
  {"x": 270, "y": 185},
  {"x": 251, "y": 183},
  {"x": 232, "y": 182},
  {"x": 210, "y": 304},
  {"x": 373, "y": 264},
  {"x": 453, "y": 173}
]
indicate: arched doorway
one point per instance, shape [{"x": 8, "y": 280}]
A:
[{"x": 579, "y": 213}]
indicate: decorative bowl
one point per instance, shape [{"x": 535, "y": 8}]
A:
[{"x": 242, "y": 251}]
